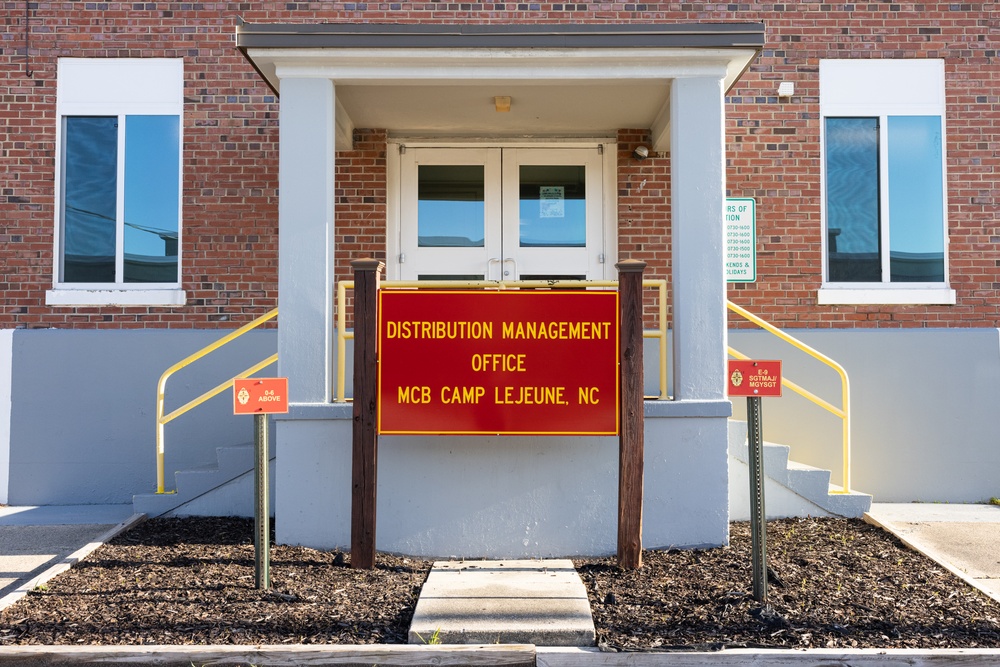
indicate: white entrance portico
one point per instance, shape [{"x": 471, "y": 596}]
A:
[{"x": 570, "y": 86}]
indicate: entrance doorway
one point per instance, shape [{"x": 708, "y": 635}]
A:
[{"x": 490, "y": 213}]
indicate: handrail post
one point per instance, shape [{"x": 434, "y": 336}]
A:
[
  {"x": 341, "y": 392},
  {"x": 631, "y": 436},
  {"x": 364, "y": 452}
]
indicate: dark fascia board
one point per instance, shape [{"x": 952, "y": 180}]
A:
[{"x": 555, "y": 36}]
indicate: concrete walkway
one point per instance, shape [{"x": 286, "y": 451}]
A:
[
  {"x": 37, "y": 543},
  {"x": 540, "y": 602},
  {"x": 964, "y": 539}
]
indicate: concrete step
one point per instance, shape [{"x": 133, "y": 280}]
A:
[
  {"x": 225, "y": 489},
  {"x": 791, "y": 488},
  {"x": 540, "y": 602}
]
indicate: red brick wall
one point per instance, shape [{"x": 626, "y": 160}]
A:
[{"x": 230, "y": 153}]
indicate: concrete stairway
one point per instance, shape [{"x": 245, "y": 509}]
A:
[
  {"x": 226, "y": 489},
  {"x": 790, "y": 488}
]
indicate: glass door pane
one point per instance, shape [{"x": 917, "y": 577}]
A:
[
  {"x": 449, "y": 214},
  {"x": 553, "y": 214},
  {"x": 451, "y": 206},
  {"x": 553, "y": 207}
]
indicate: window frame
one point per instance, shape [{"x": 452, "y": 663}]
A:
[
  {"x": 882, "y": 89},
  {"x": 116, "y": 87}
]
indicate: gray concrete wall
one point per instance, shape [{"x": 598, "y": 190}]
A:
[
  {"x": 923, "y": 405},
  {"x": 82, "y": 406},
  {"x": 6, "y": 357},
  {"x": 83, "y": 410},
  {"x": 513, "y": 497}
]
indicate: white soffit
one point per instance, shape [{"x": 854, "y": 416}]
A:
[{"x": 553, "y": 91}]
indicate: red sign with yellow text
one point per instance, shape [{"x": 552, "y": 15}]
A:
[
  {"x": 516, "y": 362},
  {"x": 257, "y": 396},
  {"x": 754, "y": 378}
]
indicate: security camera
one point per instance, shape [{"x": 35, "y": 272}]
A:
[{"x": 640, "y": 153}]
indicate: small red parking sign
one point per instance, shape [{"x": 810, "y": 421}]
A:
[
  {"x": 754, "y": 378},
  {"x": 260, "y": 396}
]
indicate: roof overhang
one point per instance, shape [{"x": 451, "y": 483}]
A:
[{"x": 441, "y": 80}]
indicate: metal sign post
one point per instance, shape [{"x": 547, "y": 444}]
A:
[
  {"x": 754, "y": 379},
  {"x": 758, "y": 518},
  {"x": 260, "y": 397},
  {"x": 261, "y": 512}
]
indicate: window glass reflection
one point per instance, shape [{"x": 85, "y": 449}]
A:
[
  {"x": 152, "y": 163},
  {"x": 451, "y": 210},
  {"x": 553, "y": 210},
  {"x": 852, "y": 197},
  {"x": 916, "y": 199},
  {"x": 90, "y": 189}
]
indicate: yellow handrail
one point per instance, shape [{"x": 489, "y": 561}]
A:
[
  {"x": 343, "y": 335},
  {"x": 161, "y": 387},
  {"x": 843, "y": 412}
]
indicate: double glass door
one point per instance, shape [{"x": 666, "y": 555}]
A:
[{"x": 501, "y": 214}]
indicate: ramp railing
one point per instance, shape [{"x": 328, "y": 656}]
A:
[
  {"x": 843, "y": 412},
  {"x": 161, "y": 387}
]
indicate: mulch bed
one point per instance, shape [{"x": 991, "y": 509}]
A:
[{"x": 836, "y": 583}]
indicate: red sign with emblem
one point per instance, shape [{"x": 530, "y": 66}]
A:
[
  {"x": 754, "y": 378},
  {"x": 507, "y": 362},
  {"x": 257, "y": 396}
]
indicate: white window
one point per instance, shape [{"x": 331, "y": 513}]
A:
[
  {"x": 118, "y": 188},
  {"x": 884, "y": 203}
]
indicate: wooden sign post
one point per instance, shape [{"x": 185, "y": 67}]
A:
[{"x": 508, "y": 367}]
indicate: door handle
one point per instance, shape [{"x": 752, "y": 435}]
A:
[
  {"x": 489, "y": 264},
  {"x": 506, "y": 273}
]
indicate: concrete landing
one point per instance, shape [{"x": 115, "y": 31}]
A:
[{"x": 540, "y": 602}]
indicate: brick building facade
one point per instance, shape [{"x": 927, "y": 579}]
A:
[
  {"x": 814, "y": 269},
  {"x": 230, "y": 128}
]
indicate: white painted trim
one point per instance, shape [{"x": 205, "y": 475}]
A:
[
  {"x": 115, "y": 297},
  {"x": 6, "y": 383},
  {"x": 500, "y": 142},
  {"x": 609, "y": 168},
  {"x": 405, "y": 66},
  {"x": 345, "y": 128},
  {"x": 393, "y": 214},
  {"x": 884, "y": 88},
  {"x": 608, "y": 162},
  {"x": 888, "y": 294},
  {"x": 116, "y": 87}
]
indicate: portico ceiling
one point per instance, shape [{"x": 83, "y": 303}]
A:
[{"x": 441, "y": 80}]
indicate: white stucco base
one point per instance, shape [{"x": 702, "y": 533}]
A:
[
  {"x": 6, "y": 352},
  {"x": 504, "y": 497}
]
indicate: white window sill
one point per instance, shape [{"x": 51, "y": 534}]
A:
[
  {"x": 115, "y": 297},
  {"x": 885, "y": 295}
]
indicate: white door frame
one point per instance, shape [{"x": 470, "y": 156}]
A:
[{"x": 606, "y": 147}]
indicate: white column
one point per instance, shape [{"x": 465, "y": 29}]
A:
[
  {"x": 698, "y": 182},
  {"x": 306, "y": 237}
]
